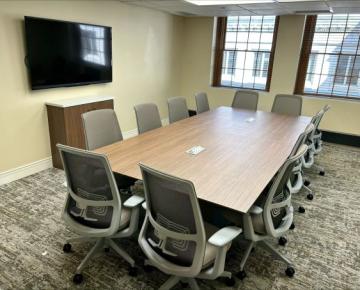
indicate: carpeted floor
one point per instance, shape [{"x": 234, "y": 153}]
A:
[{"x": 324, "y": 246}]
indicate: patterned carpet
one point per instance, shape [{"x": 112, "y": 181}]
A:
[{"x": 324, "y": 246}]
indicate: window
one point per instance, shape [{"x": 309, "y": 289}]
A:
[
  {"x": 244, "y": 51},
  {"x": 330, "y": 58}
]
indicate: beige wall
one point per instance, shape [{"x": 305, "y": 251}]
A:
[
  {"x": 196, "y": 73},
  {"x": 146, "y": 67},
  {"x": 155, "y": 55}
]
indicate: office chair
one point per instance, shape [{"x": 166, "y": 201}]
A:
[
  {"x": 316, "y": 137},
  {"x": 309, "y": 158},
  {"x": 101, "y": 128},
  {"x": 245, "y": 99},
  {"x": 287, "y": 104},
  {"x": 175, "y": 238},
  {"x": 178, "y": 109},
  {"x": 147, "y": 117},
  {"x": 93, "y": 207},
  {"x": 202, "y": 103},
  {"x": 315, "y": 143},
  {"x": 271, "y": 216},
  {"x": 296, "y": 181}
]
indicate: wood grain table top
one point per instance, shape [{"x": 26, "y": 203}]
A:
[{"x": 243, "y": 151}]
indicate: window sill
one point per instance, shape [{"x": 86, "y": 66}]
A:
[
  {"x": 320, "y": 96},
  {"x": 238, "y": 88}
]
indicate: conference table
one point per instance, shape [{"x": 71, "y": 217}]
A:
[{"x": 243, "y": 151}]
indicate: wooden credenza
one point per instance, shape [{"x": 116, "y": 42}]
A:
[{"x": 65, "y": 124}]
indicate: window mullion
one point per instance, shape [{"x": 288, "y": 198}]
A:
[
  {"x": 339, "y": 55},
  {"x": 352, "y": 69},
  {"x": 325, "y": 53}
]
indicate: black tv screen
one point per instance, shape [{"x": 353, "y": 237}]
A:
[{"x": 62, "y": 54}]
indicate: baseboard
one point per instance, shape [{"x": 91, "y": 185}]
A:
[
  {"x": 25, "y": 170},
  {"x": 37, "y": 166},
  {"x": 340, "y": 138}
]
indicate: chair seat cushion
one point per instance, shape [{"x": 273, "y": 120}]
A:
[{"x": 125, "y": 217}]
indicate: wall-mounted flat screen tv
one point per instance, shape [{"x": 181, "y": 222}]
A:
[{"x": 63, "y": 54}]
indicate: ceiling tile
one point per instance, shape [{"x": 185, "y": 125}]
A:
[
  {"x": 303, "y": 6},
  {"x": 344, "y": 4},
  {"x": 269, "y": 12},
  {"x": 181, "y": 7},
  {"x": 347, "y": 10}
]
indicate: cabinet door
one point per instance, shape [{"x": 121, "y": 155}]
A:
[
  {"x": 73, "y": 123},
  {"x": 57, "y": 132}
]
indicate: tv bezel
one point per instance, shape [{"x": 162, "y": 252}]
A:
[{"x": 65, "y": 85}]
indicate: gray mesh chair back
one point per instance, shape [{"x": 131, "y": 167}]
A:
[
  {"x": 278, "y": 211},
  {"x": 178, "y": 109},
  {"x": 296, "y": 180},
  {"x": 318, "y": 117},
  {"x": 147, "y": 117},
  {"x": 308, "y": 159},
  {"x": 246, "y": 99},
  {"x": 302, "y": 138},
  {"x": 93, "y": 204},
  {"x": 314, "y": 140},
  {"x": 173, "y": 233},
  {"x": 287, "y": 104},
  {"x": 202, "y": 103},
  {"x": 101, "y": 128},
  {"x": 315, "y": 120}
]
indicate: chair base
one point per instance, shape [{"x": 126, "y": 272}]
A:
[
  {"x": 265, "y": 245},
  {"x": 173, "y": 280},
  {"x": 100, "y": 245}
]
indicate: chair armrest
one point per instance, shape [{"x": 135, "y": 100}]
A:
[
  {"x": 133, "y": 201},
  {"x": 255, "y": 210},
  {"x": 224, "y": 236}
]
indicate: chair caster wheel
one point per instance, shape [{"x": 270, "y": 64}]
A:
[
  {"x": 290, "y": 271},
  {"x": 301, "y": 209},
  {"x": 292, "y": 226},
  {"x": 148, "y": 268},
  {"x": 184, "y": 284},
  {"x": 310, "y": 196},
  {"x": 133, "y": 271},
  {"x": 107, "y": 250},
  {"x": 307, "y": 182},
  {"x": 241, "y": 275},
  {"x": 230, "y": 282},
  {"x": 78, "y": 278},
  {"x": 67, "y": 248},
  {"x": 322, "y": 173},
  {"x": 282, "y": 241}
]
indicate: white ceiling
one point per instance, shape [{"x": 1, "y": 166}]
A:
[{"x": 181, "y": 7}]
